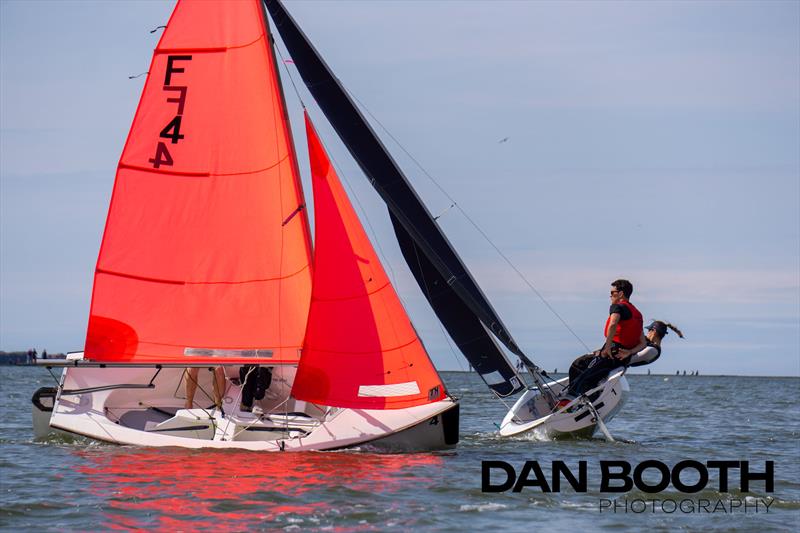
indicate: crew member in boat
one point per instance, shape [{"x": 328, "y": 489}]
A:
[
  {"x": 643, "y": 354},
  {"x": 623, "y": 331},
  {"x": 255, "y": 381},
  {"x": 192, "y": 375},
  {"x": 651, "y": 350}
]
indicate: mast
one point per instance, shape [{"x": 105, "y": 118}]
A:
[{"x": 427, "y": 250}]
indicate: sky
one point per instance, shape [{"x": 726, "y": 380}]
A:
[{"x": 653, "y": 141}]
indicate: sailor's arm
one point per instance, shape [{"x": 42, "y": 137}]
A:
[
  {"x": 624, "y": 353},
  {"x": 645, "y": 357},
  {"x": 612, "y": 330}
]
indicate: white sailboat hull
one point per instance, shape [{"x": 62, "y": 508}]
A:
[
  {"x": 156, "y": 416},
  {"x": 532, "y": 414}
]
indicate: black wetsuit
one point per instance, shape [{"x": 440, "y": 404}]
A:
[{"x": 587, "y": 370}]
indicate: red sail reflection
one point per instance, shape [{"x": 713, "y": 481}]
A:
[{"x": 181, "y": 489}]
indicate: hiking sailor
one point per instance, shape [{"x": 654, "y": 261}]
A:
[
  {"x": 645, "y": 353},
  {"x": 623, "y": 330},
  {"x": 651, "y": 350}
]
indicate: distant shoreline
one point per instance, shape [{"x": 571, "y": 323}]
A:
[
  {"x": 663, "y": 375},
  {"x": 6, "y": 361}
]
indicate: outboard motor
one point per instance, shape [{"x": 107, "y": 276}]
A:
[{"x": 43, "y": 401}]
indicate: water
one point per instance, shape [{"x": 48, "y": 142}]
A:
[{"x": 79, "y": 485}]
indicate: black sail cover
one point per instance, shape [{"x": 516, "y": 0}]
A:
[{"x": 457, "y": 300}]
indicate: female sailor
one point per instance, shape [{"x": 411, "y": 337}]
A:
[{"x": 587, "y": 371}]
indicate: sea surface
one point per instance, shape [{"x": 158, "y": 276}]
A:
[{"x": 78, "y": 485}]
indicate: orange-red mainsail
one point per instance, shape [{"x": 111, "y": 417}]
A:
[
  {"x": 360, "y": 350},
  {"x": 206, "y": 251}
]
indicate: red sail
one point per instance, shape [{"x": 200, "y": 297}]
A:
[
  {"x": 206, "y": 251},
  {"x": 360, "y": 350}
]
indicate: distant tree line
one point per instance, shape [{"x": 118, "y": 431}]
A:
[{"x": 27, "y": 357}]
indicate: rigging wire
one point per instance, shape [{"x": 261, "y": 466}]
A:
[
  {"x": 474, "y": 224},
  {"x": 339, "y": 170},
  {"x": 441, "y": 327},
  {"x": 288, "y": 72},
  {"x": 337, "y": 167},
  {"x": 377, "y": 242}
]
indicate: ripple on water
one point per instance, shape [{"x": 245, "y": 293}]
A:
[{"x": 74, "y": 484}]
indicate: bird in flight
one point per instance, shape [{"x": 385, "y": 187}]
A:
[{"x": 501, "y": 141}]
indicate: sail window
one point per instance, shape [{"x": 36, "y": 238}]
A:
[
  {"x": 211, "y": 352},
  {"x": 493, "y": 378},
  {"x": 387, "y": 391}
]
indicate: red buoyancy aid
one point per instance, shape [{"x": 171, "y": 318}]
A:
[{"x": 629, "y": 331}]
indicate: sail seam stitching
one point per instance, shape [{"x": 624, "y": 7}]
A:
[
  {"x": 306, "y": 349},
  {"x": 209, "y": 50},
  {"x": 343, "y": 298},
  {"x": 201, "y": 174}
]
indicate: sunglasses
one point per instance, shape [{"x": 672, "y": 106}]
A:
[{"x": 614, "y": 292}]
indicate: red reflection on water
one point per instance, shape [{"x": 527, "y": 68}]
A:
[{"x": 180, "y": 489}]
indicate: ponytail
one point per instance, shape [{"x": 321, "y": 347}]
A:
[{"x": 673, "y": 328}]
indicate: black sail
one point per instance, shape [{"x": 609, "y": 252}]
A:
[
  {"x": 406, "y": 208},
  {"x": 469, "y": 334}
]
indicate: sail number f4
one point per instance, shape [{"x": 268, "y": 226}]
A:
[{"x": 176, "y": 94}]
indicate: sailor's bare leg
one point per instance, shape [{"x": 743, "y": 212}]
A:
[
  {"x": 191, "y": 386},
  {"x": 219, "y": 385}
]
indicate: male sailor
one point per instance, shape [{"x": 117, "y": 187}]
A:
[{"x": 623, "y": 331}]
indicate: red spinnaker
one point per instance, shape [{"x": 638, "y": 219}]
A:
[
  {"x": 206, "y": 251},
  {"x": 360, "y": 350}
]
